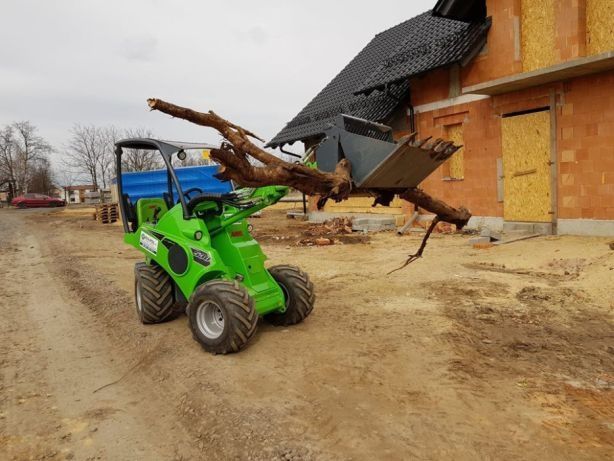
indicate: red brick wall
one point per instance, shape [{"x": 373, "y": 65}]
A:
[
  {"x": 570, "y": 17},
  {"x": 435, "y": 86},
  {"x": 500, "y": 58},
  {"x": 585, "y": 146},
  {"x": 585, "y": 137},
  {"x": 482, "y": 141}
]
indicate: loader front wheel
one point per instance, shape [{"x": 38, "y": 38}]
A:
[
  {"x": 153, "y": 293},
  {"x": 298, "y": 293},
  {"x": 222, "y": 316}
]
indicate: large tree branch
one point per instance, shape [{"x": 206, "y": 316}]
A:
[
  {"x": 234, "y": 154},
  {"x": 235, "y": 166}
]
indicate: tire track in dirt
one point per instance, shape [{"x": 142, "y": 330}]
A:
[
  {"x": 553, "y": 342},
  {"x": 55, "y": 358},
  {"x": 370, "y": 375}
]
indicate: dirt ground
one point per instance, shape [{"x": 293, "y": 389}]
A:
[{"x": 495, "y": 354}]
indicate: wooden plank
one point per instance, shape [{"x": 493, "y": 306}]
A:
[{"x": 456, "y": 163}]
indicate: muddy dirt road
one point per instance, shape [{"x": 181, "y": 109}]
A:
[{"x": 505, "y": 353}]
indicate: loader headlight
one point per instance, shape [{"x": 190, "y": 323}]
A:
[{"x": 198, "y": 235}]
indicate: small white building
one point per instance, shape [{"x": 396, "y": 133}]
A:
[{"x": 77, "y": 194}]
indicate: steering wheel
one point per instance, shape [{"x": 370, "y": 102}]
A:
[{"x": 187, "y": 193}]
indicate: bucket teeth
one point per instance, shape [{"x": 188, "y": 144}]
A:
[{"x": 420, "y": 143}]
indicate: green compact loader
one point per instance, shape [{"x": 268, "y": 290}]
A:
[{"x": 201, "y": 258}]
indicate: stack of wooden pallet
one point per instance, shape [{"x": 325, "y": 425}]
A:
[{"x": 107, "y": 213}]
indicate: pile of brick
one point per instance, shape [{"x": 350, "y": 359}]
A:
[
  {"x": 323, "y": 234},
  {"x": 106, "y": 213}
]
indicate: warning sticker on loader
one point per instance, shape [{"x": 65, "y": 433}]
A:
[{"x": 149, "y": 243}]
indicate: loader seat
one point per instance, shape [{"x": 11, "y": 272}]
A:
[{"x": 150, "y": 210}]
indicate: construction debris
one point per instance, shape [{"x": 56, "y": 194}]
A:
[
  {"x": 322, "y": 234},
  {"x": 106, "y": 213},
  {"x": 335, "y": 226},
  {"x": 483, "y": 246}
]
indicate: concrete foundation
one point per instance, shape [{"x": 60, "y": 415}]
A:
[
  {"x": 528, "y": 227},
  {"x": 373, "y": 222},
  {"x": 594, "y": 227}
]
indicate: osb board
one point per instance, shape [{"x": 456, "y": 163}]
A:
[
  {"x": 363, "y": 205},
  {"x": 526, "y": 156},
  {"x": 537, "y": 34},
  {"x": 599, "y": 26},
  {"x": 456, "y": 164}
]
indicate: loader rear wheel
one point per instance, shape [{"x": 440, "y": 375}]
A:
[
  {"x": 153, "y": 293},
  {"x": 222, "y": 316},
  {"x": 298, "y": 292}
]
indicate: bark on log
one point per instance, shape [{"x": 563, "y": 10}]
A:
[{"x": 457, "y": 216}]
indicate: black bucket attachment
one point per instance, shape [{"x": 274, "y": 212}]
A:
[{"x": 378, "y": 162}]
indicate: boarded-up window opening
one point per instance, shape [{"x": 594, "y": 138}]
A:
[
  {"x": 599, "y": 26},
  {"x": 537, "y": 34},
  {"x": 525, "y": 145},
  {"x": 454, "y": 168}
]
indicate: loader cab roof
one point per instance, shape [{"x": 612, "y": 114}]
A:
[{"x": 166, "y": 147}]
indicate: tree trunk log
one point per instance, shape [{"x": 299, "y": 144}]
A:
[
  {"x": 457, "y": 216},
  {"x": 235, "y": 165},
  {"x": 233, "y": 156}
]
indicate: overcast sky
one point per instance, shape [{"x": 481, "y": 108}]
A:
[{"x": 254, "y": 62}]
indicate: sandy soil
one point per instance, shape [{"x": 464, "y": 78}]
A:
[{"x": 504, "y": 353}]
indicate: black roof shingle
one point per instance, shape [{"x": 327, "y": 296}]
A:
[{"x": 415, "y": 46}]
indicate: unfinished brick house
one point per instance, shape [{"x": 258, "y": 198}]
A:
[{"x": 527, "y": 86}]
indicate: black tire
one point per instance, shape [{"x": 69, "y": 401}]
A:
[
  {"x": 222, "y": 316},
  {"x": 299, "y": 294},
  {"x": 22, "y": 206},
  {"x": 153, "y": 293}
]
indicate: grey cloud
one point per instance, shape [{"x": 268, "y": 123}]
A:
[
  {"x": 256, "y": 63},
  {"x": 139, "y": 48}
]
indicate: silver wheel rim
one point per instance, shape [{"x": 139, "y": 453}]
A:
[
  {"x": 139, "y": 301},
  {"x": 210, "y": 319}
]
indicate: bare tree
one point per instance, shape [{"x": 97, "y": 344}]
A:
[
  {"x": 30, "y": 148},
  {"x": 85, "y": 151},
  {"x": 8, "y": 154},
  {"x": 108, "y": 137},
  {"x": 140, "y": 159},
  {"x": 41, "y": 177},
  {"x": 91, "y": 152},
  {"x": 20, "y": 150}
]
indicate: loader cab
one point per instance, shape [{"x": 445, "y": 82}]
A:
[{"x": 145, "y": 197}]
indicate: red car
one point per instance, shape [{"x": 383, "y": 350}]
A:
[{"x": 36, "y": 200}]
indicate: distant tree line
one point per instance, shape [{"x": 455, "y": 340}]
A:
[
  {"x": 90, "y": 153},
  {"x": 24, "y": 159},
  {"x": 88, "y": 156}
]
